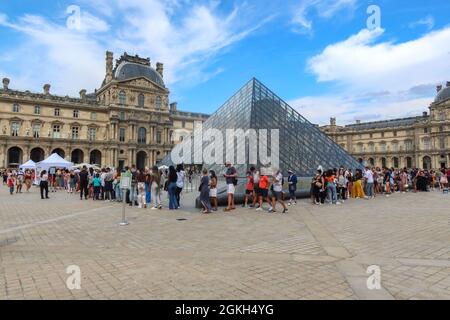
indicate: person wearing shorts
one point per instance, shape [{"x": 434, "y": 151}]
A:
[
  {"x": 277, "y": 192},
  {"x": 249, "y": 189},
  {"x": 230, "y": 177},
  {"x": 256, "y": 192},
  {"x": 263, "y": 190}
]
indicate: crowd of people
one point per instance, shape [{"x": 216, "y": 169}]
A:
[
  {"x": 338, "y": 185},
  {"x": 146, "y": 187}
]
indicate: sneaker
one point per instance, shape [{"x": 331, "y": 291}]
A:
[
  {"x": 258, "y": 209},
  {"x": 285, "y": 210},
  {"x": 289, "y": 204},
  {"x": 338, "y": 203},
  {"x": 271, "y": 210},
  {"x": 154, "y": 208}
]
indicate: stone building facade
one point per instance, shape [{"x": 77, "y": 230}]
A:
[
  {"x": 128, "y": 120},
  {"x": 422, "y": 141}
]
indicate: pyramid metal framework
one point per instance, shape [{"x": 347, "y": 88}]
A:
[{"x": 302, "y": 146}]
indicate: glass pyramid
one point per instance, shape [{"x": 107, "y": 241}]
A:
[{"x": 302, "y": 146}]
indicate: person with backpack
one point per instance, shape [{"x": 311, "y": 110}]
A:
[
  {"x": 292, "y": 182},
  {"x": 231, "y": 181}
]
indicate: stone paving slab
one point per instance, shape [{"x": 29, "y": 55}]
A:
[{"x": 314, "y": 252}]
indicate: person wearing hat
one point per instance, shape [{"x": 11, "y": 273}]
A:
[
  {"x": 292, "y": 181},
  {"x": 231, "y": 180}
]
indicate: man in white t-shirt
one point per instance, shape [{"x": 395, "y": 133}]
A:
[{"x": 368, "y": 175}]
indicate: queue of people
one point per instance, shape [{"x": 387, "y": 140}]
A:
[
  {"x": 335, "y": 186},
  {"x": 262, "y": 186}
]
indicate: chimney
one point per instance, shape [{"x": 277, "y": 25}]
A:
[
  {"x": 358, "y": 121},
  {"x": 109, "y": 66},
  {"x": 438, "y": 88},
  {"x": 332, "y": 121},
  {"x": 46, "y": 89},
  {"x": 425, "y": 114},
  {"x": 83, "y": 94},
  {"x": 173, "y": 106},
  {"x": 160, "y": 68},
  {"x": 5, "y": 84}
]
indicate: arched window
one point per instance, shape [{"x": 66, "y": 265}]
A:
[
  {"x": 395, "y": 162},
  {"x": 141, "y": 100},
  {"x": 158, "y": 102},
  {"x": 142, "y": 136},
  {"x": 122, "y": 98}
]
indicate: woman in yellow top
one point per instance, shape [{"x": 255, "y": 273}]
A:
[{"x": 358, "y": 191}]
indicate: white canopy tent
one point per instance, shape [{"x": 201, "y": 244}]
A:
[
  {"x": 30, "y": 164},
  {"x": 54, "y": 161}
]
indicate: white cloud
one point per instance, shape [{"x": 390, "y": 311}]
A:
[
  {"x": 362, "y": 64},
  {"x": 347, "y": 109},
  {"x": 373, "y": 80},
  {"x": 325, "y": 9},
  {"x": 182, "y": 35}
]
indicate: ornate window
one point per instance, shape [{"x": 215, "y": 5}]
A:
[
  {"x": 122, "y": 116},
  {"x": 36, "y": 130},
  {"x": 92, "y": 134},
  {"x": 371, "y": 147},
  {"x": 75, "y": 132},
  {"x": 158, "y": 102},
  {"x": 408, "y": 145},
  {"x": 426, "y": 143},
  {"x": 141, "y": 100},
  {"x": 142, "y": 136},
  {"x": 122, "y": 98},
  {"x": 383, "y": 146},
  {"x": 37, "y": 109},
  {"x": 359, "y": 147},
  {"x": 122, "y": 134},
  {"x": 15, "y": 107},
  {"x": 15, "y": 128},
  {"x": 395, "y": 146},
  {"x": 56, "y": 131},
  {"x": 158, "y": 137},
  {"x": 441, "y": 142}
]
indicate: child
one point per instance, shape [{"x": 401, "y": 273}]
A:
[
  {"x": 264, "y": 189},
  {"x": 97, "y": 184},
  {"x": 10, "y": 183},
  {"x": 248, "y": 189}
]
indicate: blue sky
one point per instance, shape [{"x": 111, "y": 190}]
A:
[{"x": 318, "y": 55}]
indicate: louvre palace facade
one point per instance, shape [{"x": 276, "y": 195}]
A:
[
  {"x": 128, "y": 120},
  {"x": 422, "y": 141}
]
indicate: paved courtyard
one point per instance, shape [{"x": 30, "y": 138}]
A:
[{"x": 311, "y": 253}]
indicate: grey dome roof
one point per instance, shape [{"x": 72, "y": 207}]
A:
[
  {"x": 129, "y": 70},
  {"x": 442, "y": 95}
]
